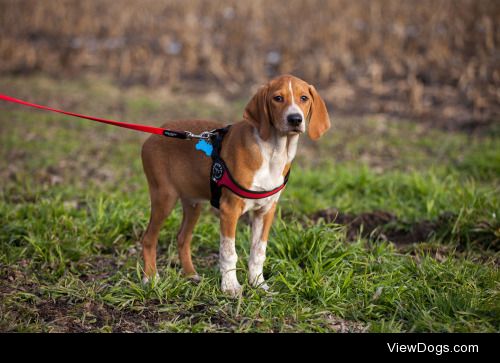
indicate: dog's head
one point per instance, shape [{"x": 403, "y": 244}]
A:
[{"x": 285, "y": 104}]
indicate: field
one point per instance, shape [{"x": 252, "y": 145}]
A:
[
  {"x": 432, "y": 60},
  {"x": 387, "y": 225}
]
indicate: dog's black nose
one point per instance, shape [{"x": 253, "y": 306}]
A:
[{"x": 294, "y": 119}]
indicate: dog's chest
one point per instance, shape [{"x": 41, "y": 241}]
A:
[
  {"x": 275, "y": 156},
  {"x": 264, "y": 179}
]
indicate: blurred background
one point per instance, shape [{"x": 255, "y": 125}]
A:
[{"x": 433, "y": 61}]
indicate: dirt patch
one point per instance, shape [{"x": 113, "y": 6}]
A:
[
  {"x": 206, "y": 257},
  {"x": 386, "y": 226},
  {"x": 96, "y": 268},
  {"x": 340, "y": 325},
  {"x": 64, "y": 316},
  {"x": 382, "y": 225}
]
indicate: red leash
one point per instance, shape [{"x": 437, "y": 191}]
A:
[
  {"x": 220, "y": 176},
  {"x": 138, "y": 127}
]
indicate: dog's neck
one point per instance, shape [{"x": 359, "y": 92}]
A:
[
  {"x": 255, "y": 163},
  {"x": 277, "y": 152},
  {"x": 283, "y": 147}
]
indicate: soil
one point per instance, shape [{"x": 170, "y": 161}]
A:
[{"x": 386, "y": 226}]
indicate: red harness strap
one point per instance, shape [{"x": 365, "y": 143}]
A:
[{"x": 228, "y": 182}]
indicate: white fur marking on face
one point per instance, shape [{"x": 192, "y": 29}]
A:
[
  {"x": 293, "y": 108},
  {"x": 227, "y": 262}
]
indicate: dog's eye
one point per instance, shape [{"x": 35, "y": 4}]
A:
[
  {"x": 278, "y": 98},
  {"x": 304, "y": 98}
]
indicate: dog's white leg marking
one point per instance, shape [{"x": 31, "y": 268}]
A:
[
  {"x": 257, "y": 254},
  {"x": 227, "y": 262}
]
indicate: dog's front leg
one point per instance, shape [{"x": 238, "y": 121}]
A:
[
  {"x": 261, "y": 225},
  {"x": 229, "y": 215}
]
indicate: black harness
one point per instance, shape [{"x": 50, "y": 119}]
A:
[{"x": 221, "y": 177}]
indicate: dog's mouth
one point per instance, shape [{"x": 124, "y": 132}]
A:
[{"x": 295, "y": 130}]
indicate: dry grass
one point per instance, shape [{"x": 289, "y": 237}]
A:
[{"x": 437, "y": 60}]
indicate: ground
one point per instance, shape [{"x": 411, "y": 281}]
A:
[{"x": 385, "y": 225}]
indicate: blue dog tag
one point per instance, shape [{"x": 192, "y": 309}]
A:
[{"x": 204, "y": 146}]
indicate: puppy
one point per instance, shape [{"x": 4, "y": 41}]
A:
[{"x": 257, "y": 152}]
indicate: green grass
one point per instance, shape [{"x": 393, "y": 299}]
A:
[{"x": 74, "y": 204}]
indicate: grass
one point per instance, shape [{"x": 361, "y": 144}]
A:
[{"x": 74, "y": 204}]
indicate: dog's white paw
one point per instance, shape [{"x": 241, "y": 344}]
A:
[
  {"x": 194, "y": 278},
  {"x": 258, "y": 282},
  {"x": 263, "y": 286},
  {"x": 231, "y": 287}
]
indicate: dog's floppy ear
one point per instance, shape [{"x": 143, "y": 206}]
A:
[
  {"x": 257, "y": 112},
  {"x": 319, "y": 122}
]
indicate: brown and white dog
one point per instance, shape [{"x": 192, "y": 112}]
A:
[{"x": 257, "y": 150}]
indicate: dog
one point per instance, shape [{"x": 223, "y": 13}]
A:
[{"x": 257, "y": 150}]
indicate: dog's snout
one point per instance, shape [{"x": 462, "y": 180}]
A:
[{"x": 294, "y": 119}]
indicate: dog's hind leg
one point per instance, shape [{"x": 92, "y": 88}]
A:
[
  {"x": 162, "y": 203},
  {"x": 191, "y": 213}
]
